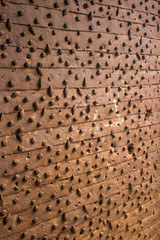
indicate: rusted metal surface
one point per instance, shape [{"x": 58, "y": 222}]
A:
[{"x": 79, "y": 119}]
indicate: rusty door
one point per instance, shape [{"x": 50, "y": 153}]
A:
[{"x": 79, "y": 119}]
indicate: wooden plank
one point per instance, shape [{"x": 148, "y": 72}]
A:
[
  {"x": 26, "y": 223},
  {"x": 55, "y": 97},
  {"x": 69, "y": 39},
  {"x": 145, "y": 223},
  {"x": 75, "y": 60},
  {"x": 50, "y": 134},
  {"x": 79, "y": 5},
  {"x": 123, "y": 222},
  {"x": 129, "y": 165},
  {"x": 58, "y": 78},
  {"x": 97, "y": 113},
  {"x": 11, "y": 187},
  {"x": 81, "y": 24}
]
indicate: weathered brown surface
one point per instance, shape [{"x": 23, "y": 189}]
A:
[{"x": 79, "y": 119}]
